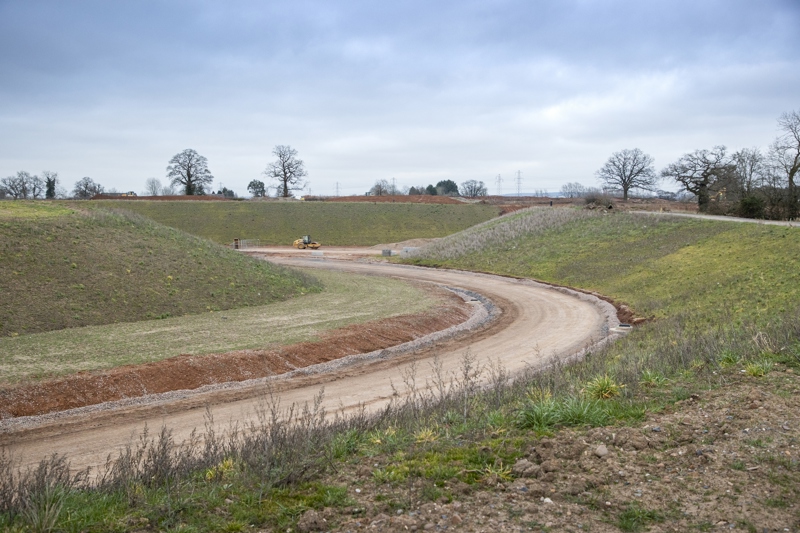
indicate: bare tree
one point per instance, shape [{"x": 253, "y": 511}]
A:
[
  {"x": 473, "y": 188},
  {"x": 50, "y": 182},
  {"x": 152, "y": 187},
  {"x": 23, "y": 186},
  {"x": 85, "y": 188},
  {"x": 699, "y": 172},
  {"x": 628, "y": 169},
  {"x": 784, "y": 155},
  {"x": 381, "y": 188},
  {"x": 749, "y": 163},
  {"x": 573, "y": 190},
  {"x": 190, "y": 170},
  {"x": 287, "y": 170}
]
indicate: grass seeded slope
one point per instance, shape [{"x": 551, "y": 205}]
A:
[
  {"x": 63, "y": 268},
  {"x": 332, "y": 224},
  {"x": 690, "y": 423}
]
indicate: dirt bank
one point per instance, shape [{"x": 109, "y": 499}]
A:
[{"x": 188, "y": 372}]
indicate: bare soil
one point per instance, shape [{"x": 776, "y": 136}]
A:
[
  {"x": 192, "y": 371},
  {"x": 723, "y": 460},
  {"x": 400, "y": 198}
]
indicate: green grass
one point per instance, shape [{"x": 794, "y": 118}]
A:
[
  {"x": 347, "y": 299},
  {"x": 62, "y": 268},
  {"x": 660, "y": 266},
  {"x": 331, "y": 223}
]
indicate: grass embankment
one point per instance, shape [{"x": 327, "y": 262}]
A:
[
  {"x": 63, "y": 268},
  {"x": 346, "y": 300},
  {"x": 330, "y": 223},
  {"x": 689, "y": 445}
]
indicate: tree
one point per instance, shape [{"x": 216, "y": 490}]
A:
[
  {"x": 381, "y": 188},
  {"x": 473, "y": 188},
  {"x": 287, "y": 171},
  {"x": 190, "y": 170},
  {"x": 85, "y": 188},
  {"x": 23, "y": 186},
  {"x": 700, "y": 172},
  {"x": 447, "y": 188},
  {"x": 152, "y": 187},
  {"x": 50, "y": 182},
  {"x": 749, "y": 165},
  {"x": 431, "y": 190},
  {"x": 784, "y": 155},
  {"x": 628, "y": 169},
  {"x": 572, "y": 190},
  {"x": 257, "y": 188}
]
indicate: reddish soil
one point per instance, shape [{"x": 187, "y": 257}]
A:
[
  {"x": 400, "y": 198},
  {"x": 188, "y": 372},
  {"x": 203, "y": 198}
]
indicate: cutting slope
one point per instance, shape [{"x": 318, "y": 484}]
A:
[
  {"x": 63, "y": 268},
  {"x": 334, "y": 224}
]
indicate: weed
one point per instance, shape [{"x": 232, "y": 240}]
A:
[
  {"x": 603, "y": 387},
  {"x": 729, "y": 358},
  {"x": 651, "y": 378},
  {"x": 636, "y": 518},
  {"x": 758, "y": 369}
]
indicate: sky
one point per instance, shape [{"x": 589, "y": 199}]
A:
[{"x": 415, "y": 91}]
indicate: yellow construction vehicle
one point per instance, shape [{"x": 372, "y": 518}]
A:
[{"x": 306, "y": 242}]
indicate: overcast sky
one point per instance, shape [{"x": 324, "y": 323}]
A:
[{"x": 419, "y": 91}]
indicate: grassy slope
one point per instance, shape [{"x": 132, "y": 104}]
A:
[
  {"x": 335, "y": 224},
  {"x": 61, "y": 268},
  {"x": 699, "y": 270},
  {"x": 713, "y": 287},
  {"x": 346, "y": 300}
]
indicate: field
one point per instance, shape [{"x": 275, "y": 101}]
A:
[
  {"x": 331, "y": 223},
  {"x": 690, "y": 423},
  {"x": 346, "y": 300},
  {"x": 61, "y": 267}
]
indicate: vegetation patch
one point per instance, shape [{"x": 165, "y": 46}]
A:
[
  {"x": 62, "y": 268},
  {"x": 346, "y": 299},
  {"x": 330, "y": 223}
]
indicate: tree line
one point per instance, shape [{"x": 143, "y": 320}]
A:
[{"x": 748, "y": 183}]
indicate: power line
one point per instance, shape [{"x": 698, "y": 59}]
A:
[
  {"x": 499, "y": 181},
  {"x": 519, "y": 182},
  {"x": 337, "y": 188}
]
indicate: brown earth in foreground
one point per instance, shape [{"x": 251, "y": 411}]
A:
[
  {"x": 187, "y": 372},
  {"x": 725, "y": 459}
]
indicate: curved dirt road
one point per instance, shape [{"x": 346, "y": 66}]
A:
[{"x": 537, "y": 323}]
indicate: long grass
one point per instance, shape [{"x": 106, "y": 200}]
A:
[
  {"x": 345, "y": 300},
  {"x": 331, "y": 223},
  {"x": 61, "y": 269}
]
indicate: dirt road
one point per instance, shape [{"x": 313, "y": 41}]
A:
[{"x": 537, "y": 322}]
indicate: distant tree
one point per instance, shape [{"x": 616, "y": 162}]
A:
[
  {"x": 749, "y": 164},
  {"x": 381, "y": 188},
  {"x": 50, "y": 182},
  {"x": 189, "y": 170},
  {"x": 573, "y": 190},
  {"x": 431, "y": 190},
  {"x": 473, "y": 188},
  {"x": 14, "y": 187},
  {"x": 447, "y": 188},
  {"x": 227, "y": 193},
  {"x": 784, "y": 156},
  {"x": 628, "y": 169},
  {"x": 168, "y": 190},
  {"x": 23, "y": 186},
  {"x": 85, "y": 188},
  {"x": 152, "y": 187},
  {"x": 257, "y": 188},
  {"x": 416, "y": 191},
  {"x": 700, "y": 173},
  {"x": 287, "y": 171}
]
